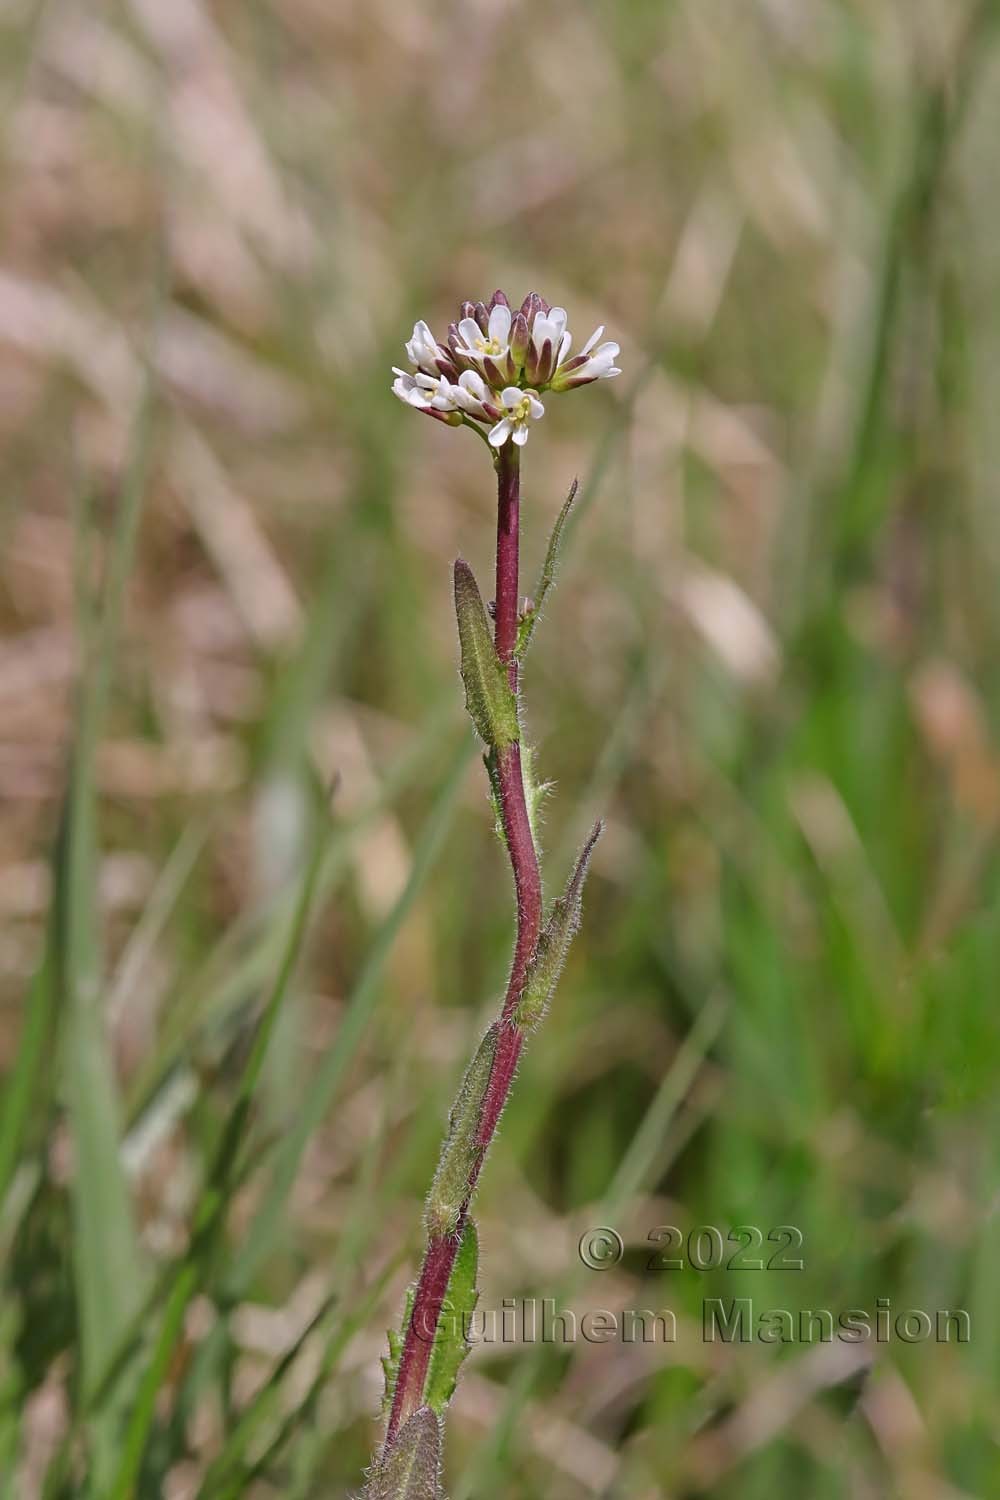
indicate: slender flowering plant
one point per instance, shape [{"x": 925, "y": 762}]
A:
[{"x": 490, "y": 374}]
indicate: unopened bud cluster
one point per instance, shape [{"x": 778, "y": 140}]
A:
[{"x": 496, "y": 363}]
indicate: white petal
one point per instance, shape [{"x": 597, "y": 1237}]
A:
[
  {"x": 535, "y": 406},
  {"x": 500, "y": 320},
  {"x": 444, "y": 396},
  {"x": 613, "y": 350},
  {"x": 501, "y": 432},
  {"x": 474, "y": 383},
  {"x": 598, "y": 363},
  {"x": 564, "y": 347},
  {"x": 422, "y": 348},
  {"x": 543, "y": 329},
  {"x": 609, "y": 374},
  {"x": 406, "y": 388},
  {"x": 558, "y": 317},
  {"x": 592, "y": 340},
  {"x": 520, "y": 436},
  {"x": 470, "y": 331},
  {"x": 511, "y": 396}
]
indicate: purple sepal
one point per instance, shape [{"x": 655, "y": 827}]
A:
[
  {"x": 546, "y": 362},
  {"x": 532, "y": 305},
  {"x": 519, "y": 338},
  {"x": 492, "y": 371}
]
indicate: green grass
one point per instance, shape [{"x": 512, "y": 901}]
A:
[{"x": 234, "y": 1006}]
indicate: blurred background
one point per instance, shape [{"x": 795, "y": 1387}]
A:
[{"x": 769, "y": 664}]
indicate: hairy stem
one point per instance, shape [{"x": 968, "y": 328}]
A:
[{"x": 439, "y": 1259}]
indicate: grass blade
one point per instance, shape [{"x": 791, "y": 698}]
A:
[
  {"x": 211, "y": 1208},
  {"x": 106, "y": 1260},
  {"x": 322, "y": 1088}
]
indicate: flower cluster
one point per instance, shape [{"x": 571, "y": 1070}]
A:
[{"x": 496, "y": 363}]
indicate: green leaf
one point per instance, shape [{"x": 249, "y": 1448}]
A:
[
  {"x": 526, "y": 627},
  {"x": 488, "y": 694},
  {"x": 553, "y": 945},
  {"x": 390, "y": 1361},
  {"x": 492, "y": 771},
  {"x": 451, "y": 1343},
  {"x": 409, "y": 1467},
  {"x": 535, "y": 793},
  {"x": 450, "y": 1187}
]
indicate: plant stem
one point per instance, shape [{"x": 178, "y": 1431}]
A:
[
  {"x": 439, "y": 1259},
  {"x": 513, "y": 806},
  {"x": 508, "y": 468}
]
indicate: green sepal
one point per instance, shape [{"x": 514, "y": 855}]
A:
[
  {"x": 390, "y": 1361},
  {"x": 450, "y": 1188},
  {"x": 409, "y": 1468},
  {"x": 529, "y": 619},
  {"x": 488, "y": 695},
  {"x": 451, "y": 1343},
  {"x": 553, "y": 945}
]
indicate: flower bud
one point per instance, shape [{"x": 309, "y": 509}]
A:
[
  {"x": 532, "y": 305},
  {"x": 519, "y": 337},
  {"x": 498, "y": 299},
  {"x": 482, "y": 317}
]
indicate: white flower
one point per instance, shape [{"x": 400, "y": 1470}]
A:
[
  {"x": 496, "y": 363},
  {"x": 590, "y": 364},
  {"x": 518, "y": 406},
  {"x": 473, "y": 396},
  {"x": 550, "y": 343},
  {"x": 425, "y": 392},
  {"x": 422, "y": 350},
  {"x": 490, "y": 351}
]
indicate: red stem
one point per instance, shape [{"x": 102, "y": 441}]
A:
[{"x": 441, "y": 1250}]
